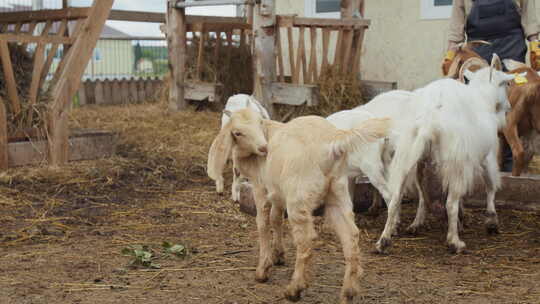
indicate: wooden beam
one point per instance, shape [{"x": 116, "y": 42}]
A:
[
  {"x": 265, "y": 65},
  {"x": 3, "y": 137},
  {"x": 44, "y": 15},
  {"x": 203, "y": 91},
  {"x": 137, "y": 16},
  {"x": 216, "y": 26},
  {"x": 176, "y": 36},
  {"x": 286, "y": 21},
  {"x": 70, "y": 79},
  {"x": 27, "y": 38},
  {"x": 294, "y": 94},
  {"x": 9, "y": 76}
]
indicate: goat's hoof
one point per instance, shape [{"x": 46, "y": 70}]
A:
[
  {"x": 492, "y": 223},
  {"x": 279, "y": 259},
  {"x": 382, "y": 245},
  {"x": 457, "y": 248},
  {"x": 413, "y": 229},
  {"x": 293, "y": 294},
  {"x": 261, "y": 277},
  {"x": 348, "y": 294}
]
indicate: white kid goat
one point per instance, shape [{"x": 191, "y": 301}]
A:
[
  {"x": 235, "y": 103},
  {"x": 305, "y": 165},
  {"x": 457, "y": 130}
]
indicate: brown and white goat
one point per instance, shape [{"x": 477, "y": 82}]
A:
[
  {"x": 524, "y": 116},
  {"x": 295, "y": 167}
]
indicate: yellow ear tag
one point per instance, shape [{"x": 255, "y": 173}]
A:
[
  {"x": 520, "y": 80},
  {"x": 535, "y": 46},
  {"x": 450, "y": 55}
]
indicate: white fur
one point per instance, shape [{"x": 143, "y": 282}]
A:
[{"x": 457, "y": 128}]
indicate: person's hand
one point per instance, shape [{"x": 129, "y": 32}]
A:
[
  {"x": 534, "y": 47},
  {"x": 447, "y": 61}
]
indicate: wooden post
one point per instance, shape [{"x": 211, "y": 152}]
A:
[
  {"x": 176, "y": 36},
  {"x": 70, "y": 80},
  {"x": 264, "y": 21},
  {"x": 3, "y": 137}
]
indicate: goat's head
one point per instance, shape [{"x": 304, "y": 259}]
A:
[
  {"x": 245, "y": 131},
  {"x": 494, "y": 82},
  {"x": 463, "y": 52}
]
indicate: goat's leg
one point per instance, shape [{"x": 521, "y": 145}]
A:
[
  {"x": 235, "y": 189},
  {"x": 339, "y": 212},
  {"x": 385, "y": 240},
  {"x": 452, "y": 208},
  {"x": 263, "y": 227},
  {"x": 420, "y": 218},
  {"x": 492, "y": 181},
  {"x": 512, "y": 137},
  {"x": 304, "y": 235},
  {"x": 276, "y": 220}
]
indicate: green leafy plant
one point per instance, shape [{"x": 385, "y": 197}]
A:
[
  {"x": 142, "y": 256},
  {"x": 175, "y": 249}
]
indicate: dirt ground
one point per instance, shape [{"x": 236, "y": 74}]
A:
[{"x": 62, "y": 232}]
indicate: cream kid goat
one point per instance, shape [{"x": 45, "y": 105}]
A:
[
  {"x": 456, "y": 129},
  {"x": 235, "y": 103},
  {"x": 305, "y": 165}
]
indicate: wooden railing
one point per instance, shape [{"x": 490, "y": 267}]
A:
[
  {"x": 310, "y": 59},
  {"x": 42, "y": 29}
]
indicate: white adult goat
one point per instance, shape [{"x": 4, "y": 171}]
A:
[
  {"x": 235, "y": 103},
  {"x": 457, "y": 130},
  {"x": 306, "y": 164}
]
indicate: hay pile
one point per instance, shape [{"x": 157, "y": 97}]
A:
[
  {"x": 22, "y": 67},
  {"x": 232, "y": 67},
  {"x": 337, "y": 92}
]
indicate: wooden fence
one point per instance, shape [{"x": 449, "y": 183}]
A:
[
  {"x": 310, "y": 59},
  {"x": 120, "y": 91}
]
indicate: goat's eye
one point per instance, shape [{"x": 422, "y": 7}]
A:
[{"x": 237, "y": 134}]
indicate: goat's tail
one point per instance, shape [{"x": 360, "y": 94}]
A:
[
  {"x": 366, "y": 132},
  {"x": 411, "y": 146}
]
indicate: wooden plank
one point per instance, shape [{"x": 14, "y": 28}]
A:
[
  {"x": 325, "y": 45},
  {"x": 217, "y": 48},
  {"x": 291, "y": 56},
  {"x": 203, "y": 90},
  {"x": 70, "y": 79},
  {"x": 285, "y": 20},
  {"x": 176, "y": 22},
  {"x": 116, "y": 94},
  {"x": 83, "y": 146},
  {"x": 3, "y": 137},
  {"x": 124, "y": 91},
  {"x": 279, "y": 55},
  {"x": 99, "y": 92},
  {"x": 133, "y": 92},
  {"x": 358, "y": 53},
  {"x": 229, "y": 47},
  {"x": 294, "y": 94},
  {"x": 264, "y": 48},
  {"x": 337, "y": 50},
  {"x": 312, "y": 74},
  {"x": 213, "y": 26},
  {"x": 27, "y": 38},
  {"x": 44, "y": 15},
  {"x": 137, "y": 16},
  {"x": 7, "y": 66},
  {"x": 200, "y": 56},
  {"x": 300, "y": 56},
  {"x": 346, "y": 52},
  {"x": 35, "y": 85}
]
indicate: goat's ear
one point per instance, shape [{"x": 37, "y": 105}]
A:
[
  {"x": 247, "y": 102},
  {"x": 219, "y": 153},
  {"x": 468, "y": 74},
  {"x": 227, "y": 112},
  {"x": 513, "y": 64},
  {"x": 453, "y": 70},
  {"x": 495, "y": 65}
]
